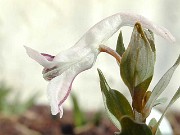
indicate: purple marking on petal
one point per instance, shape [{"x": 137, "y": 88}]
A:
[
  {"x": 48, "y": 56},
  {"x": 66, "y": 96}
]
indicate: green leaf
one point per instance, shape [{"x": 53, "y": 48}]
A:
[
  {"x": 96, "y": 120},
  {"x": 175, "y": 97},
  {"x": 120, "y": 49},
  {"x": 152, "y": 123},
  {"x": 79, "y": 118},
  {"x": 130, "y": 127},
  {"x": 14, "y": 106},
  {"x": 137, "y": 64},
  {"x": 4, "y": 93},
  {"x": 116, "y": 104},
  {"x": 18, "y": 107},
  {"x": 160, "y": 86}
]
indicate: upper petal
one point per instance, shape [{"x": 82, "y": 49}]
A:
[
  {"x": 108, "y": 26},
  {"x": 105, "y": 29},
  {"x": 159, "y": 30},
  {"x": 59, "y": 88},
  {"x": 40, "y": 58}
]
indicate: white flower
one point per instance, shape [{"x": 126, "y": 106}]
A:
[{"x": 62, "y": 69}]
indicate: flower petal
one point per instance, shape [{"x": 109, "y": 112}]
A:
[
  {"x": 59, "y": 88},
  {"x": 104, "y": 29},
  {"x": 40, "y": 58},
  {"x": 107, "y": 27},
  {"x": 130, "y": 19}
]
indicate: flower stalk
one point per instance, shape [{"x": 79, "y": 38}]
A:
[{"x": 108, "y": 50}]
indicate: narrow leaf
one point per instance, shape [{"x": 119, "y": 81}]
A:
[
  {"x": 120, "y": 49},
  {"x": 79, "y": 118},
  {"x": 160, "y": 86},
  {"x": 152, "y": 123},
  {"x": 130, "y": 127},
  {"x": 175, "y": 97},
  {"x": 116, "y": 104}
]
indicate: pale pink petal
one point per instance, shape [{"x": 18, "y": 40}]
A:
[
  {"x": 38, "y": 57},
  {"x": 131, "y": 19},
  {"x": 104, "y": 29},
  {"x": 59, "y": 88},
  {"x": 108, "y": 26}
]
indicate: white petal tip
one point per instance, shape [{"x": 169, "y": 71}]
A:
[
  {"x": 35, "y": 55},
  {"x": 170, "y": 37},
  {"x": 163, "y": 32},
  {"x": 60, "y": 115},
  {"x": 28, "y": 50},
  {"x": 56, "y": 110},
  {"x": 173, "y": 39}
]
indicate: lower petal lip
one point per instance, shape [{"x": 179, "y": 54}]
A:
[{"x": 60, "y": 86}]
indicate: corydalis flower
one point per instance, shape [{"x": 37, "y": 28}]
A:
[{"x": 61, "y": 69}]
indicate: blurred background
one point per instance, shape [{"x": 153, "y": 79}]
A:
[{"x": 52, "y": 26}]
